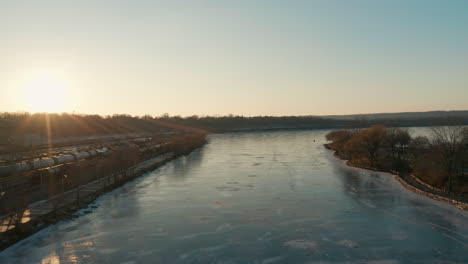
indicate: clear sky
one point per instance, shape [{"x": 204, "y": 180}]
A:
[{"x": 241, "y": 57}]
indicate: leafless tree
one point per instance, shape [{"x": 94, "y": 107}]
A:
[
  {"x": 372, "y": 140},
  {"x": 417, "y": 147},
  {"x": 397, "y": 139},
  {"x": 448, "y": 143}
]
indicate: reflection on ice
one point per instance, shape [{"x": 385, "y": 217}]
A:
[
  {"x": 302, "y": 244},
  {"x": 51, "y": 259},
  {"x": 272, "y": 260},
  {"x": 347, "y": 243}
]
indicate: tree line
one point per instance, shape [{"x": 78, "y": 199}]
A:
[
  {"x": 15, "y": 126},
  {"x": 440, "y": 159}
]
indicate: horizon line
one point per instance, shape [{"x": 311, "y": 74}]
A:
[{"x": 230, "y": 114}]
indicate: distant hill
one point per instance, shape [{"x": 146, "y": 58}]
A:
[
  {"x": 403, "y": 115},
  {"x": 405, "y": 119}
]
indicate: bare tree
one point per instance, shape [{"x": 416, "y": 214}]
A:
[
  {"x": 397, "y": 139},
  {"x": 448, "y": 143},
  {"x": 372, "y": 140},
  {"x": 417, "y": 147},
  {"x": 338, "y": 139}
]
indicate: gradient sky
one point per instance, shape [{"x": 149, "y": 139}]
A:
[{"x": 240, "y": 57}]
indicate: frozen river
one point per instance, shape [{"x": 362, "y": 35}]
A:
[{"x": 264, "y": 197}]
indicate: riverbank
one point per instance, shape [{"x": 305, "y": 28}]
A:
[
  {"x": 412, "y": 183},
  {"x": 39, "y": 215}
]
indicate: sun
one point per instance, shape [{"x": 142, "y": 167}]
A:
[{"x": 46, "y": 92}]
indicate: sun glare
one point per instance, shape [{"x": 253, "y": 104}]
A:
[{"x": 46, "y": 93}]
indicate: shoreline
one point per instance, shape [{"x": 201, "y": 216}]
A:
[
  {"x": 68, "y": 211},
  {"x": 299, "y": 128},
  {"x": 402, "y": 179}
]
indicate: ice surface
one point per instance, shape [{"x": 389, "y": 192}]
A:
[{"x": 221, "y": 205}]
